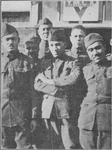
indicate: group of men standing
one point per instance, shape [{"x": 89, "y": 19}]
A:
[{"x": 50, "y": 93}]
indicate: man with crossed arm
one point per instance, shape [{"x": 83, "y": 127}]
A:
[{"x": 56, "y": 79}]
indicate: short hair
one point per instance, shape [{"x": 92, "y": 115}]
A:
[{"x": 80, "y": 27}]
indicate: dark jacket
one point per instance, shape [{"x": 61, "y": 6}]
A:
[
  {"x": 17, "y": 99},
  {"x": 65, "y": 72},
  {"x": 96, "y": 106}
]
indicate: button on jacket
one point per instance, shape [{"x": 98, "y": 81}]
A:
[
  {"x": 65, "y": 72},
  {"x": 16, "y": 80},
  {"x": 96, "y": 106}
]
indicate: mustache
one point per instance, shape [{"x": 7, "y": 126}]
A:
[
  {"x": 46, "y": 33},
  {"x": 31, "y": 53},
  {"x": 97, "y": 55}
]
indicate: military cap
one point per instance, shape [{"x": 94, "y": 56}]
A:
[
  {"x": 44, "y": 21},
  {"x": 57, "y": 35},
  {"x": 7, "y": 29},
  {"x": 31, "y": 39},
  {"x": 92, "y": 38}
]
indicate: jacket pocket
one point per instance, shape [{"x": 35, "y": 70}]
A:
[{"x": 62, "y": 108}]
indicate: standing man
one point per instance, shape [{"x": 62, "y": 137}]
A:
[
  {"x": 78, "y": 33},
  {"x": 77, "y": 50},
  {"x": 44, "y": 27},
  {"x": 18, "y": 109},
  {"x": 58, "y": 75},
  {"x": 31, "y": 50},
  {"x": 32, "y": 47},
  {"x": 95, "y": 115}
]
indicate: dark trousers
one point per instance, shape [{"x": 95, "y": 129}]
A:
[
  {"x": 17, "y": 136},
  {"x": 95, "y": 139}
]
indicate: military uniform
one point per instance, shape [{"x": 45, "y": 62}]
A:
[
  {"x": 56, "y": 106},
  {"x": 32, "y": 47},
  {"x": 56, "y": 103},
  {"x": 16, "y": 93},
  {"x": 96, "y": 106},
  {"x": 18, "y": 103},
  {"x": 80, "y": 91},
  {"x": 95, "y": 115}
]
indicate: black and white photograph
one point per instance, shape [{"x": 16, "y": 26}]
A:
[{"x": 56, "y": 74}]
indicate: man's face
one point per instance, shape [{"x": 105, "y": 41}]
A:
[
  {"x": 96, "y": 52},
  {"x": 31, "y": 49},
  {"x": 77, "y": 38},
  {"x": 10, "y": 42},
  {"x": 57, "y": 48},
  {"x": 43, "y": 31}
]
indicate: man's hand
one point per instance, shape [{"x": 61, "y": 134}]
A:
[
  {"x": 40, "y": 76},
  {"x": 44, "y": 79},
  {"x": 49, "y": 81}
]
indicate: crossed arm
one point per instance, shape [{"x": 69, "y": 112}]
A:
[{"x": 51, "y": 86}]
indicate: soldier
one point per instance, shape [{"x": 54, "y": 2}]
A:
[
  {"x": 31, "y": 50},
  {"x": 44, "y": 27},
  {"x": 77, "y": 50},
  {"x": 58, "y": 75},
  {"x": 18, "y": 107},
  {"x": 95, "y": 115},
  {"x": 32, "y": 47}
]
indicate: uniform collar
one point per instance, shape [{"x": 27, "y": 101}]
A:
[
  {"x": 11, "y": 55},
  {"x": 103, "y": 63},
  {"x": 63, "y": 57}
]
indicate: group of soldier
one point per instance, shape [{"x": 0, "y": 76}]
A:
[{"x": 54, "y": 97}]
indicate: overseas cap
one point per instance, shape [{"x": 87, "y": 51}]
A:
[
  {"x": 32, "y": 39},
  {"x": 7, "y": 29},
  {"x": 57, "y": 35},
  {"x": 92, "y": 38},
  {"x": 44, "y": 21}
]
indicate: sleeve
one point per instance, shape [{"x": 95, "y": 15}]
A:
[
  {"x": 45, "y": 88},
  {"x": 41, "y": 86},
  {"x": 71, "y": 78}
]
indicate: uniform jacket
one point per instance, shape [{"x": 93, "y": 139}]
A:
[
  {"x": 17, "y": 100},
  {"x": 96, "y": 106},
  {"x": 65, "y": 72}
]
